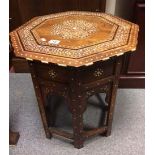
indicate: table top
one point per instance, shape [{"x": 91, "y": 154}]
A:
[{"x": 74, "y": 38}]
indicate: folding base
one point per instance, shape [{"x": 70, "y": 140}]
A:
[{"x": 76, "y": 86}]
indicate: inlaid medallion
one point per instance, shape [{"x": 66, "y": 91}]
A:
[
  {"x": 74, "y": 38},
  {"x": 74, "y": 29}
]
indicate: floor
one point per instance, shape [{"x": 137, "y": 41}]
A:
[{"x": 127, "y": 134}]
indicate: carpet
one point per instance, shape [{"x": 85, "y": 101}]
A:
[{"x": 128, "y": 129}]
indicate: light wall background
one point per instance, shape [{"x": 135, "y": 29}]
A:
[{"x": 119, "y": 8}]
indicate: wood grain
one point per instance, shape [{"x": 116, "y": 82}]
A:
[{"x": 82, "y": 38}]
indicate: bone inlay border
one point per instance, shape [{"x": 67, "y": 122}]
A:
[{"x": 30, "y": 44}]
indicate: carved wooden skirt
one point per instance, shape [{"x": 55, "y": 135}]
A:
[{"x": 76, "y": 85}]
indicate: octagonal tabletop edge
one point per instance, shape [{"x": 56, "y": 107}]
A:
[{"x": 74, "y": 38}]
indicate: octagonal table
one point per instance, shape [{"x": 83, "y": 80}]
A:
[{"x": 75, "y": 55}]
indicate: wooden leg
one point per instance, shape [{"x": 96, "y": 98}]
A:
[
  {"x": 111, "y": 110},
  {"x": 105, "y": 106},
  {"x": 40, "y": 100},
  {"x": 113, "y": 96},
  {"x": 42, "y": 110},
  {"x": 77, "y": 105},
  {"x": 78, "y": 129},
  {"x": 77, "y": 109},
  {"x": 13, "y": 137}
]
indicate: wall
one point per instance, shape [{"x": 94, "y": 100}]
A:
[
  {"x": 124, "y": 9},
  {"x": 110, "y": 6},
  {"x": 121, "y": 8}
]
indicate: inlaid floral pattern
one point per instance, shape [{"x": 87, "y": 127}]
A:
[
  {"x": 123, "y": 38},
  {"x": 52, "y": 74},
  {"x": 73, "y": 29},
  {"x": 99, "y": 72}
]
